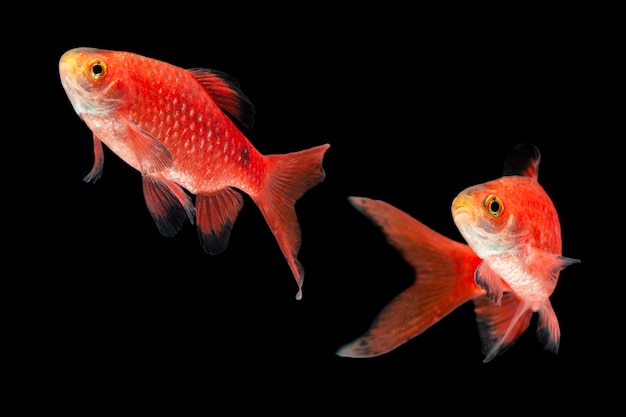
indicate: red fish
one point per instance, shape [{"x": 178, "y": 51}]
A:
[
  {"x": 173, "y": 125},
  {"x": 509, "y": 267}
]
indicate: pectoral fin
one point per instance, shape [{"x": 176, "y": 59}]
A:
[
  {"x": 553, "y": 263},
  {"x": 490, "y": 282},
  {"x": 153, "y": 156}
]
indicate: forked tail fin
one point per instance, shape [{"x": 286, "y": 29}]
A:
[
  {"x": 444, "y": 279},
  {"x": 289, "y": 177}
]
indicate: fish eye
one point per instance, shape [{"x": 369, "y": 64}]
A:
[
  {"x": 494, "y": 205},
  {"x": 97, "y": 68}
]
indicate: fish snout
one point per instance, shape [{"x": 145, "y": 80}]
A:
[
  {"x": 72, "y": 60},
  {"x": 461, "y": 205},
  {"x": 68, "y": 59},
  {"x": 65, "y": 70},
  {"x": 68, "y": 67}
]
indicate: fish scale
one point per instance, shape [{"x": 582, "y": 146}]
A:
[
  {"x": 174, "y": 126},
  {"x": 508, "y": 268},
  {"x": 178, "y": 119}
]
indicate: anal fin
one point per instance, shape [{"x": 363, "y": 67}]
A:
[{"x": 216, "y": 215}]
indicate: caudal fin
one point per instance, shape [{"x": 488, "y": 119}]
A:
[
  {"x": 444, "y": 279},
  {"x": 290, "y": 176}
]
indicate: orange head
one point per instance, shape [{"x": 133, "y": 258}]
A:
[
  {"x": 506, "y": 214},
  {"x": 94, "y": 80}
]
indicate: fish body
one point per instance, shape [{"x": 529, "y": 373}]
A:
[
  {"x": 508, "y": 267},
  {"x": 177, "y": 128}
]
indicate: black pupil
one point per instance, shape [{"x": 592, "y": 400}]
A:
[
  {"x": 97, "y": 69},
  {"x": 494, "y": 206}
]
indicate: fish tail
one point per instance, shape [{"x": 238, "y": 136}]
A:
[
  {"x": 289, "y": 177},
  {"x": 444, "y": 280},
  {"x": 500, "y": 325}
]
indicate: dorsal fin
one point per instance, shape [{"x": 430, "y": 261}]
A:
[
  {"x": 227, "y": 93},
  {"x": 523, "y": 160}
]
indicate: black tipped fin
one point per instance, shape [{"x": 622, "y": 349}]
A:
[
  {"x": 168, "y": 204},
  {"x": 548, "y": 330},
  {"x": 216, "y": 215},
  {"x": 227, "y": 93},
  {"x": 500, "y": 326},
  {"x": 523, "y": 160}
]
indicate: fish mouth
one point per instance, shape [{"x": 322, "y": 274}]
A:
[
  {"x": 68, "y": 81},
  {"x": 67, "y": 73},
  {"x": 68, "y": 63},
  {"x": 458, "y": 210},
  {"x": 80, "y": 93},
  {"x": 461, "y": 206},
  {"x": 463, "y": 218}
]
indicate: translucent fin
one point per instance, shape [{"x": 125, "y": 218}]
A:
[
  {"x": 500, "y": 325},
  {"x": 289, "y": 177},
  {"x": 98, "y": 163},
  {"x": 444, "y": 279},
  {"x": 548, "y": 330}
]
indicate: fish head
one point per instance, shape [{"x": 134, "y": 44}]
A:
[
  {"x": 485, "y": 221},
  {"x": 93, "y": 79}
]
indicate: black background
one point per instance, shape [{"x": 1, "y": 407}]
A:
[{"x": 416, "y": 106}]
